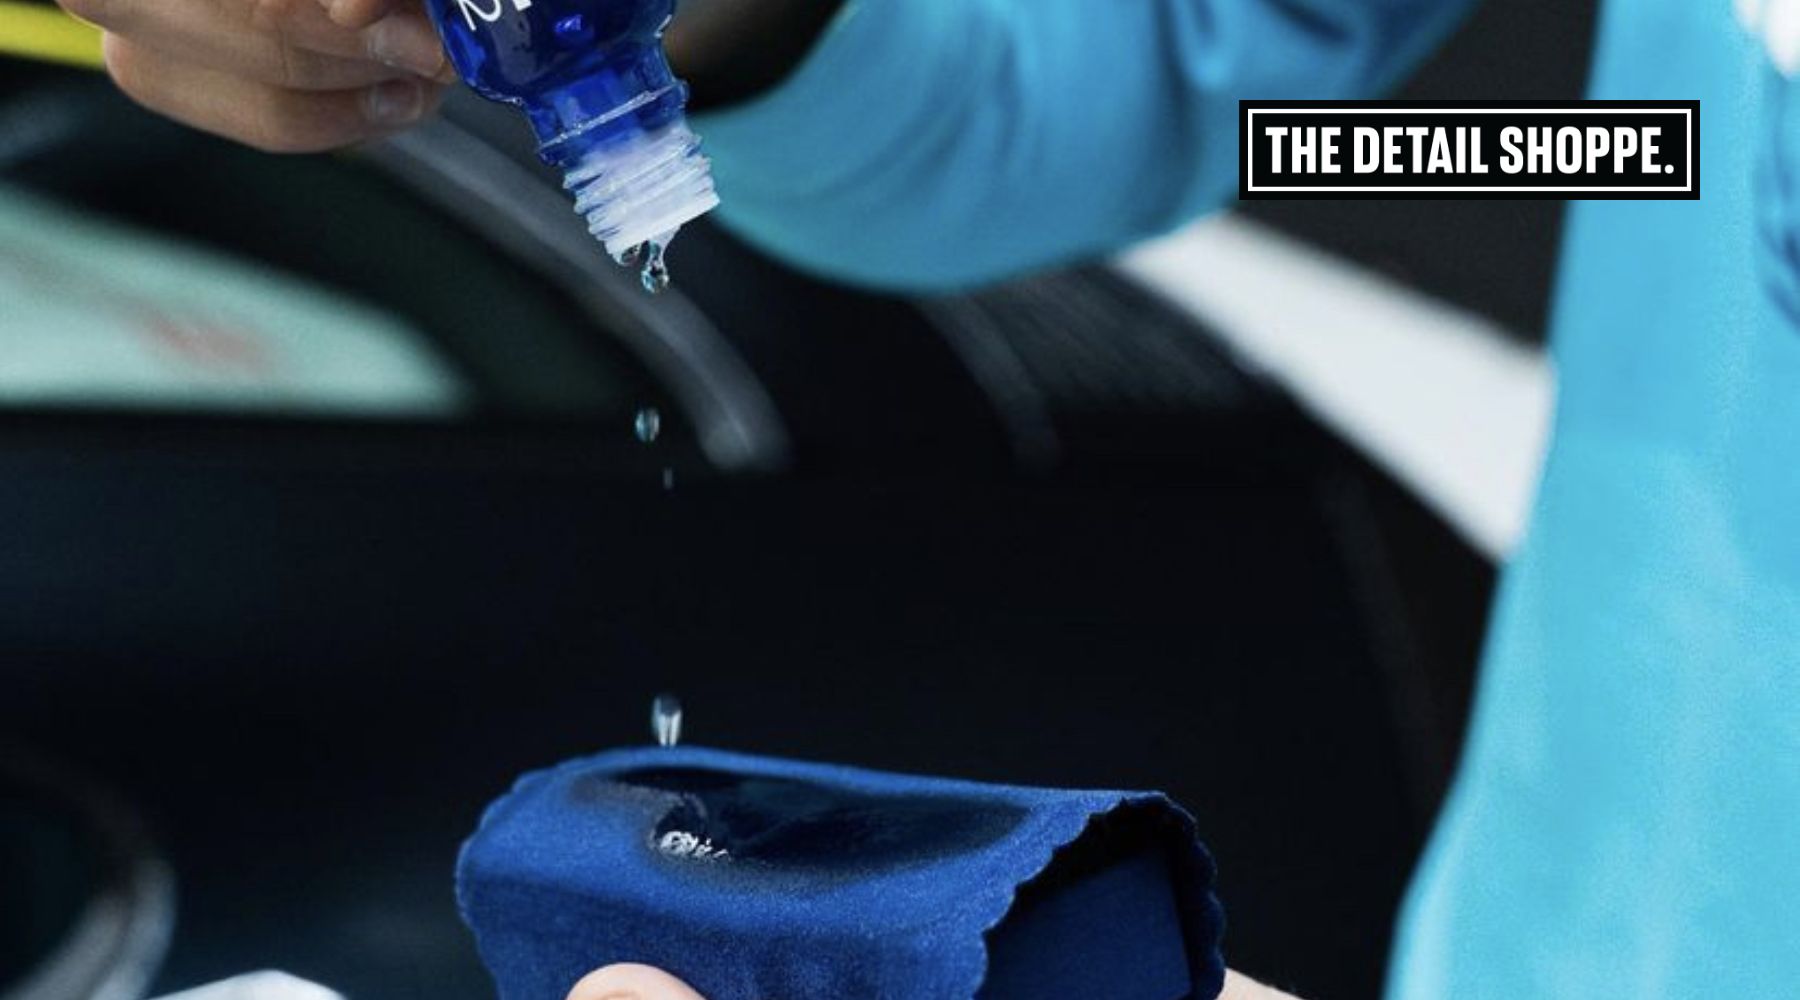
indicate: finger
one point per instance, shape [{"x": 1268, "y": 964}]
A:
[
  {"x": 288, "y": 43},
  {"x": 632, "y": 982},
  {"x": 404, "y": 38},
  {"x": 362, "y": 13},
  {"x": 267, "y": 117}
]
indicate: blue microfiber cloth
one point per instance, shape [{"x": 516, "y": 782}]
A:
[{"x": 758, "y": 879}]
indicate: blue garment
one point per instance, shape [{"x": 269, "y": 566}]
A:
[
  {"x": 942, "y": 143},
  {"x": 757, "y": 879},
  {"x": 1627, "y": 821}
]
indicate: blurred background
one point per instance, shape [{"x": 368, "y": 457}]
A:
[{"x": 335, "y": 492}]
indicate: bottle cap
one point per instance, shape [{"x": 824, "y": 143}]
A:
[{"x": 637, "y": 189}]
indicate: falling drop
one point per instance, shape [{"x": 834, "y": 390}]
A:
[
  {"x": 665, "y": 720},
  {"x": 655, "y": 275},
  {"x": 668, "y": 480},
  {"x": 647, "y": 424}
]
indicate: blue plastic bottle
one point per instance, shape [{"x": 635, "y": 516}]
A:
[{"x": 592, "y": 78}]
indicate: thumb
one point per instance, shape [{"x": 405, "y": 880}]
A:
[{"x": 631, "y": 982}]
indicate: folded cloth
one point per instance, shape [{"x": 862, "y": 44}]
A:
[{"x": 759, "y": 879}]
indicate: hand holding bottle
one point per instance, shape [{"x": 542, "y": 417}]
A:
[
  {"x": 280, "y": 75},
  {"x": 301, "y": 76}
]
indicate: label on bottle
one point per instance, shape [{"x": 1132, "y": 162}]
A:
[{"x": 488, "y": 11}]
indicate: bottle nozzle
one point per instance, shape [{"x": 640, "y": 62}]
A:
[{"x": 638, "y": 190}]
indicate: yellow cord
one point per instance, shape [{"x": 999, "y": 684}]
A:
[{"x": 34, "y": 31}]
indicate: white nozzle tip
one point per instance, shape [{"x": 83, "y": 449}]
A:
[{"x": 641, "y": 189}]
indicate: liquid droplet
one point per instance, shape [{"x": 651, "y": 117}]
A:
[
  {"x": 655, "y": 275},
  {"x": 690, "y": 846},
  {"x": 665, "y": 720},
  {"x": 647, "y": 425},
  {"x": 668, "y": 480}
]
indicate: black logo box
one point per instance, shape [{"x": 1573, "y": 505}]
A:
[{"x": 1679, "y": 146}]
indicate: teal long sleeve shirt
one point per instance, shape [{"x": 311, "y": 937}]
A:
[
  {"x": 929, "y": 144},
  {"x": 1627, "y": 818}
]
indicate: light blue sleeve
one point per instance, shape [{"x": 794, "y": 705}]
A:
[{"x": 931, "y": 144}]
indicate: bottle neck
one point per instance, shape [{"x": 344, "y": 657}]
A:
[
  {"x": 619, "y": 134},
  {"x": 633, "y": 93}
]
